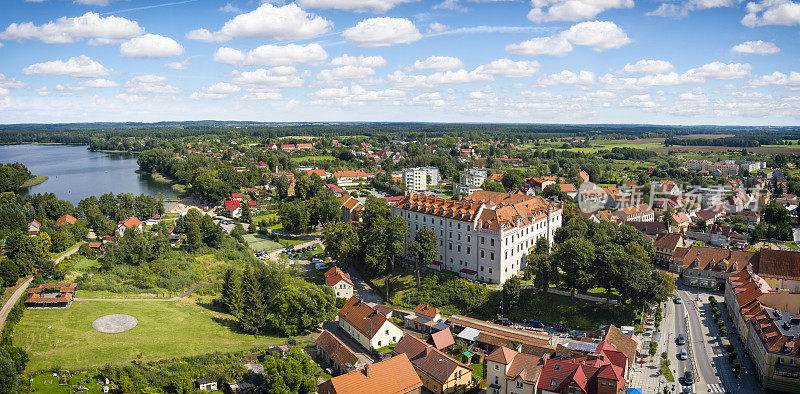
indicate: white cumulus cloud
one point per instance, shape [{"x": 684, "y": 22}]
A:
[
  {"x": 218, "y": 90},
  {"x": 288, "y": 22},
  {"x": 756, "y": 48},
  {"x": 285, "y": 55},
  {"x": 150, "y": 46},
  {"x": 772, "y": 12},
  {"x": 600, "y": 35},
  {"x": 567, "y": 77},
  {"x": 179, "y": 65},
  {"x": 92, "y": 26},
  {"x": 647, "y": 66},
  {"x": 511, "y": 69},
  {"x": 228, "y": 55},
  {"x": 80, "y": 67},
  {"x": 719, "y": 70},
  {"x": 150, "y": 84},
  {"x": 360, "y": 61},
  {"x": 345, "y": 72},
  {"x": 553, "y": 45},
  {"x": 440, "y": 63},
  {"x": 377, "y": 6},
  {"x": 99, "y": 83},
  {"x": 383, "y": 31},
  {"x": 276, "y": 77},
  {"x": 572, "y": 10}
]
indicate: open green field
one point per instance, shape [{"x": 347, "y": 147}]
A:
[
  {"x": 259, "y": 242},
  {"x": 37, "y": 179},
  {"x": 598, "y": 145},
  {"x": 46, "y": 383},
  {"x": 65, "y": 338},
  {"x": 312, "y": 159}
]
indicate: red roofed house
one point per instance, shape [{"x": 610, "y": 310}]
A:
[
  {"x": 33, "y": 227},
  {"x": 129, "y": 223},
  {"x": 234, "y": 208},
  {"x": 510, "y": 371},
  {"x": 319, "y": 172},
  {"x": 304, "y": 146},
  {"x": 334, "y": 188},
  {"x": 350, "y": 208},
  {"x": 252, "y": 203},
  {"x": 604, "y": 372},
  {"x": 66, "y": 219},
  {"x": 583, "y": 176},
  {"x": 236, "y": 195},
  {"x": 367, "y": 326},
  {"x": 393, "y": 376},
  {"x": 428, "y": 312},
  {"x": 340, "y": 282},
  {"x": 439, "y": 372},
  {"x": 442, "y": 339},
  {"x": 335, "y": 352}
]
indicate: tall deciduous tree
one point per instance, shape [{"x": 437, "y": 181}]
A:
[
  {"x": 341, "y": 243},
  {"x": 511, "y": 292},
  {"x": 576, "y": 257},
  {"x": 423, "y": 250}
]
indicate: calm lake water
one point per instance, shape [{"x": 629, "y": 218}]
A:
[{"x": 76, "y": 173}]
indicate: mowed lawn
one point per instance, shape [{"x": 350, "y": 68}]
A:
[
  {"x": 259, "y": 242},
  {"x": 65, "y": 338}
]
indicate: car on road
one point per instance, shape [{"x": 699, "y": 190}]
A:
[
  {"x": 316, "y": 260},
  {"x": 320, "y": 266},
  {"x": 535, "y": 323},
  {"x": 684, "y": 355},
  {"x": 678, "y": 300},
  {"x": 688, "y": 378},
  {"x": 687, "y": 390},
  {"x": 680, "y": 340}
]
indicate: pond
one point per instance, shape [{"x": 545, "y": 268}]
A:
[{"x": 75, "y": 172}]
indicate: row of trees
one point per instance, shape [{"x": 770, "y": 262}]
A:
[
  {"x": 589, "y": 255},
  {"x": 270, "y": 299}
]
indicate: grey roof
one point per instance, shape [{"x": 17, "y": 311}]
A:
[
  {"x": 469, "y": 334},
  {"x": 783, "y": 320},
  {"x": 586, "y": 347}
]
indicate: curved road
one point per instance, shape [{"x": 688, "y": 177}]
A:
[{"x": 8, "y": 304}]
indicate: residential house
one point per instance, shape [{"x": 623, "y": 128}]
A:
[
  {"x": 651, "y": 229},
  {"x": 509, "y": 371},
  {"x": 349, "y": 178},
  {"x": 569, "y": 189},
  {"x": 128, "y": 224},
  {"x": 351, "y": 207},
  {"x": 681, "y": 221},
  {"x": 392, "y": 376},
  {"x": 709, "y": 267},
  {"x": 636, "y": 213},
  {"x": 367, "y": 326},
  {"x": 234, "y": 208},
  {"x": 439, "y": 372},
  {"x": 33, "y": 227},
  {"x": 665, "y": 245},
  {"x": 340, "y": 282},
  {"x": 425, "y": 319},
  {"x": 583, "y": 176},
  {"x": 333, "y": 351},
  {"x": 66, "y": 219},
  {"x": 604, "y": 372},
  {"x": 485, "y": 236}
]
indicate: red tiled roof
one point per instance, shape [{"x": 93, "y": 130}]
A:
[
  {"x": 131, "y": 222},
  {"x": 337, "y": 350},
  {"x": 232, "y": 205},
  {"x": 393, "y": 376},
  {"x": 427, "y": 310},
  {"x": 362, "y": 316},
  {"x": 335, "y": 275},
  {"x": 66, "y": 219},
  {"x": 443, "y": 339}
]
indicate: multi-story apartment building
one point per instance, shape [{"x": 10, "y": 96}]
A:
[
  {"x": 485, "y": 236},
  {"x": 433, "y": 175},
  {"x": 728, "y": 167},
  {"x": 768, "y": 325},
  {"x": 415, "y": 179},
  {"x": 751, "y": 166},
  {"x": 473, "y": 177},
  {"x": 709, "y": 267}
]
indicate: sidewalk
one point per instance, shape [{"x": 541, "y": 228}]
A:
[{"x": 648, "y": 377}]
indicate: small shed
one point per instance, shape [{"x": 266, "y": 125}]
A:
[{"x": 206, "y": 384}]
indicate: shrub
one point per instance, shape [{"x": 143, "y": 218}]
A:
[
  {"x": 653, "y": 348},
  {"x": 723, "y": 330}
]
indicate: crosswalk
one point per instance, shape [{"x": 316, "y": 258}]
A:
[{"x": 714, "y": 388}]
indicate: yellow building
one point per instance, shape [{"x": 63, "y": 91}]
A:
[{"x": 439, "y": 372}]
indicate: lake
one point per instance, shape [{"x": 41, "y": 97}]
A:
[{"x": 75, "y": 172}]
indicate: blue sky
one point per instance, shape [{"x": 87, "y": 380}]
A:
[{"x": 544, "y": 61}]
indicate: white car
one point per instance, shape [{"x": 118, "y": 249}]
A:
[
  {"x": 316, "y": 260},
  {"x": 684, "y": 355}
]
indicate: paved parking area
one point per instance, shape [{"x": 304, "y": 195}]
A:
[{"x": 362, "y": 290}]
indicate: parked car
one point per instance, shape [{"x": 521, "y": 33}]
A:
[
  {"x": 535, "y": 323},
  {"x": 684, "y": 355},
  {"x": 687, "y": 390},
  {"x": 320, "y": 266},
  {"x": 316, "y": 260},
  {"x": 680, "y": 340},
  {"x": 688, "y": 378},
  {"x": 678, "y": 300}
]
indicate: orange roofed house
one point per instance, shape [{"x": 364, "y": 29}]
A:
[
  {"x": 439, "y": 372},
  {"x": 370, "y": 328},
  {"x": 66, "y": 219},
  {"x": 393, "y": 376},
  {"x": 340, "y": 282},
  {"x": 485, "y": 236},
  {"x": 52, "y": 295},
  {"x": 350, "y": 208},
  {"x": 509, "y": 371},
  {"x": 128, "y": 224}
]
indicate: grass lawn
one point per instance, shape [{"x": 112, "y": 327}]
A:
[
  {"x": 575, "y": 313},
  {"x": 259, "y": 242},
  {"x": 792, "y": 245},
  {"x": 266, "y": 216},
  {"x": 478, "y": 371},
  {"x": 65, "y": 337},
  {"x": 37, "y": 179},
  {"x": 286, "y": 241},
  {"x": 666, "y": 372},
  {"x": 111, "y": 295},
  {"x": 311, "y": 159}
]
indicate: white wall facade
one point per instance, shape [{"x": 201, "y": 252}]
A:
[{"x": 415, "y": 179}]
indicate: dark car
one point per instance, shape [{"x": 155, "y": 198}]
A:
[
  {"x": 535, "y": 324},
  {"x": 688, "y": 378},
  {"x": 680, "y": 340}
]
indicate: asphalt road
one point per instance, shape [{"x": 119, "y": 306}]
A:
[{"x": 706, "y": 376}]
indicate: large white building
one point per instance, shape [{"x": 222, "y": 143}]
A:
[
  {"x": 415, "y": 179},
  {"x": 469, "y": 181},
  {"x": 485, "y": 236}
]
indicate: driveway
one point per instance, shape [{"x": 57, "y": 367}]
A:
[{"x": 362, "y": 290}]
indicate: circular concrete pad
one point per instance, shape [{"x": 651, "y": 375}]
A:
[{"x": 112, "y": 324}]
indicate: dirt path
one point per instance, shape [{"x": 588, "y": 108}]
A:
[
  {"x": 177, "y": 297},
  {"x": 8, "y": 304}
]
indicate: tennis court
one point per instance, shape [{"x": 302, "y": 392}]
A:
[{"x": 259, "y": 242}]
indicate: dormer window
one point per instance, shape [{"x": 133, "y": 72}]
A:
[{"x": 554, "y": 382}]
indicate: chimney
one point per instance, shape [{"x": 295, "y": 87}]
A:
[{"x": 366, "y": 370}]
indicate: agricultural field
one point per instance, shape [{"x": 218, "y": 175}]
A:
[
  {"x": 64, "y": 338},
  {"x": 598, "y": 145}
]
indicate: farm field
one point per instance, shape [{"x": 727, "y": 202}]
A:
[
  {"x": 65, "y": 338},
  {"x": 598, "y": 145}
]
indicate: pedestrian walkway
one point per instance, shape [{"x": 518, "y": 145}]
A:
[{"x": 647, "y": 376}]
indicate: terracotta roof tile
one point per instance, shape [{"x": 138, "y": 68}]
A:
[{"x": 393, "y": 376}]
